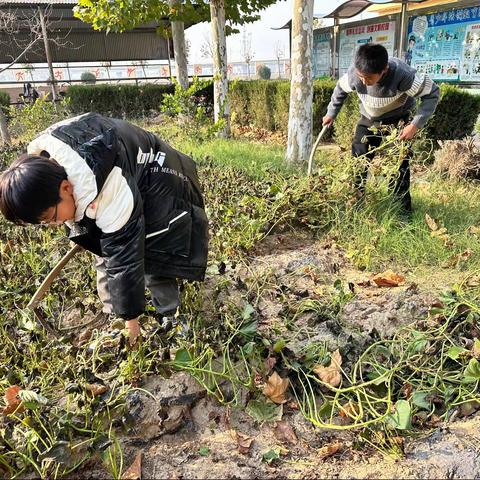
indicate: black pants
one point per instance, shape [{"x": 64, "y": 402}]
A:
[{"x": 401, "y": 185}]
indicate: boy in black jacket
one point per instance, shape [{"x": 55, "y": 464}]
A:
[{"x": 124, "y": 195}]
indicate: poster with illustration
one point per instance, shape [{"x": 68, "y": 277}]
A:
[
  {"x": 353, "y": 37},
  {"x": 322, "y": 59},
  {"x": 446, "y": 45}
]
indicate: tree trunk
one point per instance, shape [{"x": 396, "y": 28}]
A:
[
  {"x": 301, "y": 86},
  {"x": 220, "y": 86},
  {"x": 4, "y": 129},
  {"x": 48, "y": 53},
  {"x": 178, "y": 37}
]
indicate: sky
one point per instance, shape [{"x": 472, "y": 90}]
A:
[{"x": 264, "y": 40}]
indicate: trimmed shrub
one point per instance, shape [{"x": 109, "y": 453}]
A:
[
  {"x": 131, "y": 101},
  {"x": 4, "y": 101},
  {"x": 455, "y": 115},
  {"x": 88, "y": 77},
  {"x": 265, "y": 104},
  {"x": 264, "y": 72}
]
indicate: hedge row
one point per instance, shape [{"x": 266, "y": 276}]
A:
[
  {"x": 130, "y": 101},
  {"x": 4, "y": 100},
  {"x": 265, "y": 104}
]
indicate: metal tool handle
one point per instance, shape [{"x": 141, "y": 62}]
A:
[
  {"x": 314, "y": 149},
  {"x": 43, "y": 288}
]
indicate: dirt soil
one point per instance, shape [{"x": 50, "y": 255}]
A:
[{"x": 183, "y": 433}]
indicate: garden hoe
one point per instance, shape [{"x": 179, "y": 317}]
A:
[
  {"x": 314, "y": 149},
  {"x": 43, "y": 289}
]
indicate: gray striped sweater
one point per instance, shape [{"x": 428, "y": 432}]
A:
[{"x": 394, "y": 96}]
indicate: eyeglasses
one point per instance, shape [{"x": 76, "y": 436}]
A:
[{"x": 53, "y": 219}]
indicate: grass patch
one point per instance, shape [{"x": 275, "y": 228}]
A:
[{"x": 376, "y": 237}]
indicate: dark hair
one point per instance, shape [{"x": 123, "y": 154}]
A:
[
  {"x": 371, "y": 58},
  {"x": 29, "y": 187}
]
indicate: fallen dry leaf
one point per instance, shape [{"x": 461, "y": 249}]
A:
[
  {"x": 453, "y": 261},
  {"x": 331, "y": 375},
  {"x": 96, "y": 389},
  {"x": 284, "y": 432},
  {"x": 474, "y": 230},
  {"x": 12, "y": 400},
  {"x": 442, "y": 235},
  {"x": 135, "y": 470},
  {"x": 330, "y": 449},
  {"x": 388, "y": 279},
  {"x": 349, "y": 410},
  {"x": 84, "y": 336},
  {"x": 176, "y": 415},
  {"x": 244, "y": 442},
  {"x": 432, "y": 224},
  {"x": 270, "y": 363},
  {"x": 275, "y": 388}
]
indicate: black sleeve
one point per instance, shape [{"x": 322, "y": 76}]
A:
[{"x": 124, "y": 252}]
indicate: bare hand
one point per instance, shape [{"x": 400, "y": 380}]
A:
[
  {"x": 327, "y": 120},
  {"x": 408, "y": 132},
  {"x": 133, "y": 328}
]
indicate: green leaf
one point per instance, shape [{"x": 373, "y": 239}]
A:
[
  {"x": 264, "y": 411},
  {"x": 271, "y": 456},
  {"x": 204, "y": 451},
  {"x": 472, "y": 372},
  {"x": 401, "y": 418},
  {"x": 60, "y": 452},
  {"x": 455, "y": 352},
  {"x": 247, "y": 311},
  {"x": 249, "y": 330},
  {"x": 279, "y": 345},
  {"x": 182, "y": 357},
  {"x": 31, "y": 399},
  {"x": 420, "y": 400}
]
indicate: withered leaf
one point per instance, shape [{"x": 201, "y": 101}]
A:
[
  {"x": 244, "y": 442},
  {"x": 135, "y": 470},
  {"x": 12, "y": 400},
  {"x": 432, "y": 224},
  {"x": 331, "y": 375},
  {"x": 96, "y": 389},
  {"x": 349, "y": 410},
  {"x": 329, "y": 449},
  {"x": 284, "y": 432},
  {"x": 388, "y": 279},
  {"x": 270, "y": 363},
  {"x": 175, "y": 418},
  {"x": 474, "y": 230},
  {"x": 275, "y": 388}
]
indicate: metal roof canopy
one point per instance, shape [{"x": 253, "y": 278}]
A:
[
  {"x": 82, "y": 42},
  {"x": 351, "y": 8}
]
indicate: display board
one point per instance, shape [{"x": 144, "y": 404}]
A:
[
  {"x": 446, "y": 45},
  {"x": 353, "y": 37},
  {"x": 322, "y": 58}
]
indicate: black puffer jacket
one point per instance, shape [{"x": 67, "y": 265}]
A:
[{"x": 138, "y": 203}]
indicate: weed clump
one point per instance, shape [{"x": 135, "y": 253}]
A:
[{"x": 458, "y": 159}]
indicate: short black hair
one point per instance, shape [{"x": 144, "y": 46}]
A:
[
  {"x": 29, "y": 187},
  {"x": 371, "y": 58}
]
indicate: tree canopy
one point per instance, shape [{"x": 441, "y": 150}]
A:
[{"x": 121, "y": 15}]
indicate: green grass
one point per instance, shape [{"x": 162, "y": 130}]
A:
[{"x": 377, "y": 237}]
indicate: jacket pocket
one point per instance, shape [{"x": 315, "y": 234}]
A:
[{"x": 171, "y": 235}]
